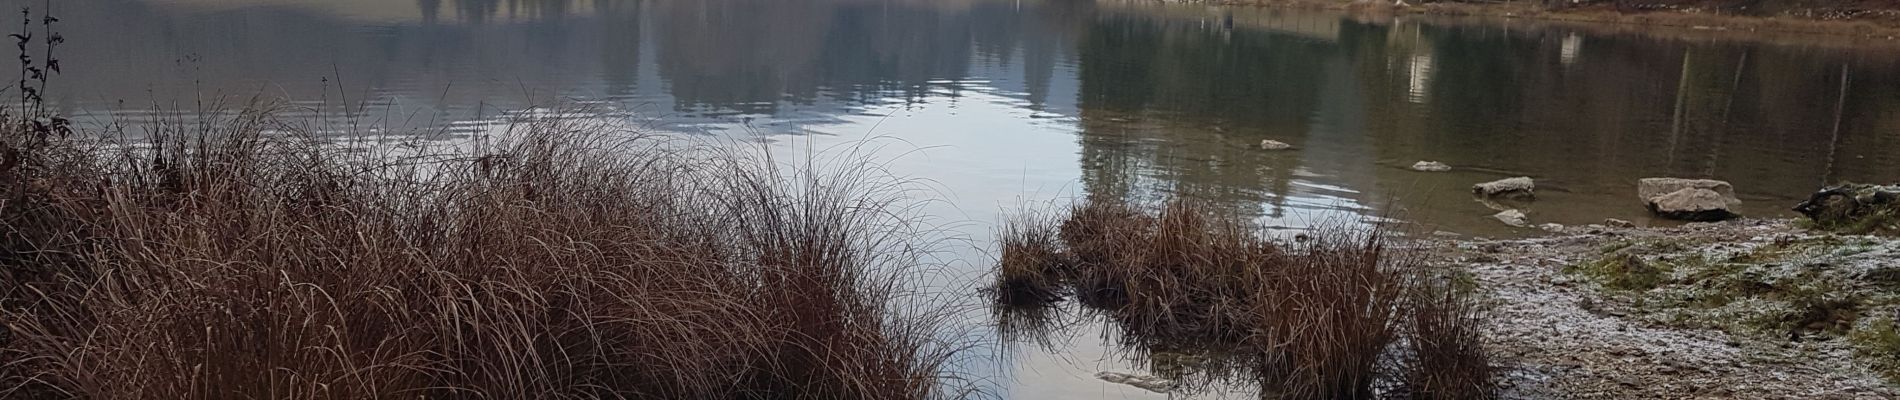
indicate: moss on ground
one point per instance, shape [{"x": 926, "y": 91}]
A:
[
  {"x": 1884, "y": 221},
  {"x": 1624, "y": 271},
  {"x": 1878, "y": 341},
  {"x": 1802, "y": 288}
]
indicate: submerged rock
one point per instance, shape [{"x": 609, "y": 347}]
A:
[
  {"x": 1521, "y": 186},
  {"x": 1692, "y": 204},
  {"x": 1617, "y": 223},
  {"x": 1513, "y": 218},
  {"x": 1430, "y": 166},
  {"x": 1271, "y": 144},
  {"x": 1145, "y": 382}
]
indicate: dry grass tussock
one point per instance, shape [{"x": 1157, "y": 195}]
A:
[
  {"x": 221, "y": 261},
  {"x": 1336, "y": 314}
]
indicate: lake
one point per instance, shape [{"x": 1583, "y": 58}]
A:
[{"x": 1000, "y": 106}]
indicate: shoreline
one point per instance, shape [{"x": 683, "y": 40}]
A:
[
  {"x": 1568, "y": 334},
  {"x": 1858, "y": 29}
]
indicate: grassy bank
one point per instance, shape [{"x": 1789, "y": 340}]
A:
[
  {"x": 1335, "y": 314},
  {"x": 1798, "y": 287},
  {"x": 243, "y": 257}
]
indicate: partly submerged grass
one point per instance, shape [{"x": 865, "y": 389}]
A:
[
  {"x": 1335, "y": 315},
  {"x": 563, "y": 262}
]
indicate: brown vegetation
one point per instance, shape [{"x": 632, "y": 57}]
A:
[
  {"x": 1447, "y": 359},
  {"x": 1031, "y": 268},
  {"x": 1335, "y": 315},
  {"x": 225, "y": 259}
]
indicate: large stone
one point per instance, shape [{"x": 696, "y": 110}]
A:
[
  {"x": 1648, "y": 189},
  {"x": 1692, "y": 204},
  {"x": 1521, "y": 186}
]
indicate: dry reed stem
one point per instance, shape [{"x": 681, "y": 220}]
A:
[{"x": 565, "y": 261}]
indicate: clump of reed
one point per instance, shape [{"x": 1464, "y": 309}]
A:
[
  {"x": 1031, "y": 266},
  {"x": 1337, "y": 314},
  {"x": 1445, "y": 335},
  {"x": 1093, "y": 234},
  {"x": 244, "y": 257}
]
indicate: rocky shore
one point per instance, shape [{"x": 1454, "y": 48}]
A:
[{"x": 1739, "y": 309}]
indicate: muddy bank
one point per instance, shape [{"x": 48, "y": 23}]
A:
[
  {"x": 1740, "y": 309},
  {"x": 1872, "y": 20}
]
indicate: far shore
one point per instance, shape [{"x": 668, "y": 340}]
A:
[{"x": 1883, "y": 29}]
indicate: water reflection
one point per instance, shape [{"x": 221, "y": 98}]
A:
[{"x": 1049, "y": 98}]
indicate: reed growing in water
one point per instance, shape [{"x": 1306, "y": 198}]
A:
[
  {"x": 243, "y": 258},
  {"x": 1337, "y": 313}
]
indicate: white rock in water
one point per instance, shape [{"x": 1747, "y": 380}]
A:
[
  {"x": 1551, "y": 227},
  {"x": 1430, "y": 166},
  {"x": 1648, "y": 189},
  {"x": 1271, "y": 144},
  {"x": 1513, "y": 218},
  {"x": 1692, "y": 204},
  {"x": 1519, "y": 186},
  {"x": 1145, "y": 382}
]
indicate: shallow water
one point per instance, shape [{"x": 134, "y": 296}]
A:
[{"x": 1004, "y": 105}]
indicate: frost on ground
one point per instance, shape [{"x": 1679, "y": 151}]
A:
[{"x": 1743, "y": 309}]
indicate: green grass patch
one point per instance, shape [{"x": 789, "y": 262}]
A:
[
  {"x": 1624, "y": 271},
  {"x": 1878, "y": 341},
  {"x": 1613, "y": 247},
  {"x": 1884, "y": 221}
]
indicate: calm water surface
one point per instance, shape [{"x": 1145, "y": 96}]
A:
[{"x": 1002, "y": 105}]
